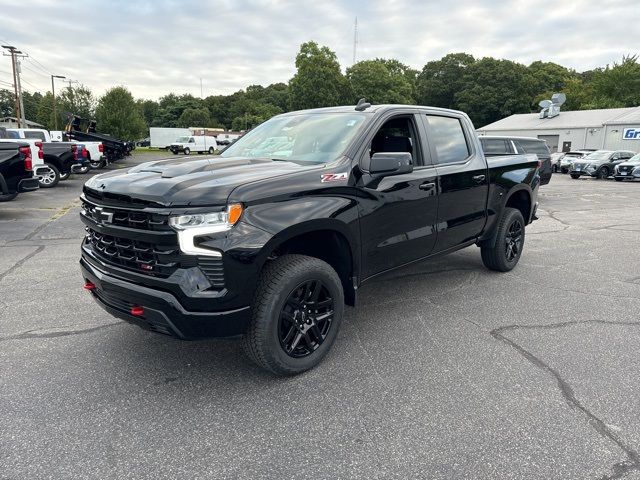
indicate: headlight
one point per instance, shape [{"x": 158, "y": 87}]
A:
[
  {"x": 198, "y": 224},
  {"x": 636, "y": 171}
]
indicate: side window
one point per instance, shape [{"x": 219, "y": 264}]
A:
[
  {"x": 192, "y": 140},
  {"x": 494, "y": 146},
  {"x": 397, "y": 134},
  {"x": 37, "y": 135},
  {"x": 447, "y": 135},
  {"x": 535, "y": 146}
]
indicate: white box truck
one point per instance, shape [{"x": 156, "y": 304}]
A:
[{"x": 164, "y": 137}]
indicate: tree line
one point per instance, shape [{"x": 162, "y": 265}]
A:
[{"x": 488, "y": 89}]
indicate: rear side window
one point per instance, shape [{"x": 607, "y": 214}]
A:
[
  {"x": 37, "y": 135},
  {"x": 535, "y": 146},
  {"x": 494, "y": 146},
  {"x": 447, "y": 135}
]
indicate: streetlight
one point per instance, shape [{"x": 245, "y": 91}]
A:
[{"x": 53, "y": 90}]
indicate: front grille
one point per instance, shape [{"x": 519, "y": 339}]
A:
[
  {"x": 134, "y": 254},
  {"x": 127, "y": 218}
]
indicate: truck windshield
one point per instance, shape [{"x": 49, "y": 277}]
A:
[{"x": 304, "y": 138}]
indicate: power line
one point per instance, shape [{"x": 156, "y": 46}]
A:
[{"x": 41, "y": 66}]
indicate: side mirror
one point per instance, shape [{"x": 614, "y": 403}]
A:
[{"x": 390, "y": 163}]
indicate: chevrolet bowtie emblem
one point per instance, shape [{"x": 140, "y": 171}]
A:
[{"x": 102, "y": 216}]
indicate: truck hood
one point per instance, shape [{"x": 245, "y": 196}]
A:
[{"x": 188, "y": 182}]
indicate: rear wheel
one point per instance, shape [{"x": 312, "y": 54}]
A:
[
  {"x": 504, "y": 255},
  {"x": 211, "y": 150},
  {"x": 65, "y": 176},
  {"x": 575, "y": 176},
  {"x": 296, "y": 315},
  {"x": 49, "y": 179},
  {"x": 187, "y": 151},
  {"x": 97, "y": 163}
]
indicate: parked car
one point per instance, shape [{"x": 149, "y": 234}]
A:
[
  {"x": 556, "y": 157},
  {"x": 570, "y": 157},
  {"x": 599, "y": 164},
  {"x": 272, "y": 246},
  {"x": 145, "y": 142},
  {"x": 629, "y": 170},
  {"x": 194, "y": 143},
  {"x": 16, "y": 170},
  {"x": 40, "y": 169},
  {"x": 495, "y": 146},
  {"x": 58, "y": 156}
]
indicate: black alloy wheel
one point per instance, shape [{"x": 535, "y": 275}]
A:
[
  {"x": 305, "y": 319},
  {"x": 513, "y": 240},
  {"x": 603, "y": 173}
]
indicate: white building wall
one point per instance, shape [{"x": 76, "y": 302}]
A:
[
  {"x": 579, "y": 137},
  {"x": 613, "y": 139}
]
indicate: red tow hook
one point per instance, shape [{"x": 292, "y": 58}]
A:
[
  {"x": 89, "y": 286},
  {"x": 137, "y": 311}
]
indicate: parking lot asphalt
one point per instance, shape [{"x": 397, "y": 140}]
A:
[{"x": 445, "y": 369}]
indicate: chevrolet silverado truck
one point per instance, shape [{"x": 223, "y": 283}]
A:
[
  {"x": 273, "y": 237},
  {"x": 16, "y": 170}
]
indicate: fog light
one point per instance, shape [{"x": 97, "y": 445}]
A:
[
  {"x": 137, "y": 311},
  {"x": 89, "y": 286}
]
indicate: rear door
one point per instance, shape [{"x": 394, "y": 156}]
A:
[
  {"x": 463, "y": 179},
  {"x": 398, "y": 213}
]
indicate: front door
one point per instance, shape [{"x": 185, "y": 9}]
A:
[{"x": 398, "y": 213}]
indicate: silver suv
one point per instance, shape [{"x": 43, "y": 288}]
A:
[
  {"x": 629, "y": 170},
  {"x": 568, "y": 158},
  {"x": 599, "y": 164}
]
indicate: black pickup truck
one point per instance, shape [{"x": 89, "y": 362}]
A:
[
  {"x": 16, "y": 170},
  {"x": 274, "y": 236}
]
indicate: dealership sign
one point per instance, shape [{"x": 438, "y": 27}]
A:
[{"x": 632, "y": 133}]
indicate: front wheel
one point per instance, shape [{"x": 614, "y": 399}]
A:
[
  {"x": 505, "y": 253},
  {"x": 603, "y": 173},
  {"x": 211, "y": 150},
  {"x": 187, "y": 151},
  {"x": 296, "y": 314}
]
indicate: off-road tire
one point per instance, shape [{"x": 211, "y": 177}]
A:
[
  {"x": 187, "y": 151},
  {"x": 279, "y": 278},
  {"x": 495, "y": 258}
]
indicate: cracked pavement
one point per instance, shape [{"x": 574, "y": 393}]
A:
[{"x": 445, "y": 370}]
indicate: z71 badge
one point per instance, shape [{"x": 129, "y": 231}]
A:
[{"x": 333, "y": 177}]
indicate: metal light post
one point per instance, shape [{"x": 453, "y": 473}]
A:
[{"x": 53, "y": 90}]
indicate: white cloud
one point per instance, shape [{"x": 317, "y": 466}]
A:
[{"x": 157, "y": 47}]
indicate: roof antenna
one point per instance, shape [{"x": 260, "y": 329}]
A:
[{"x": 362, "y": 105}]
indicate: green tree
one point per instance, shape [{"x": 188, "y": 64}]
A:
[
  {"x": 76, "y": 100},
  {"x": 318, "y": 81},
  {"x": 380, "y": 81},
  {"x": 440, "y": 80},
  {"x": 148, "y": 109},
  {"x": 246, "y": 122},
  {"x": 7, "y": 103},
  {"x": 618, "y": 85},
  {"x": 195, "y": 117},
  {"x": 44, "y": 113},
  {"x": 493, "y": 89},
  {"x": 117, "y": 115}
]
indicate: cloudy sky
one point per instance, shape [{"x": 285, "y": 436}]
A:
[{"x": 159, "y": 46}]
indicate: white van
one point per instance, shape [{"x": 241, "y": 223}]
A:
[{"x": 193, "y": 143}]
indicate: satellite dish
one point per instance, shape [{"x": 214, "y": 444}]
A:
[
  {"x": 558, "y": 98},
  {"x": 545, "y": 103}
]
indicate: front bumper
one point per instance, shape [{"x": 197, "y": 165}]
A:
[
  {"x": 582, "y": 173},
  {"x": 630, "y": 176},
  {"x": 163, "y": 313}
]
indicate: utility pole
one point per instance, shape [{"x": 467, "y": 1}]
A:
[
  {"x": 355, "y": 40},
  {"x": 22, "y": 114},
  {"x": 15, "y": 54},
  {"x": 53, "y": 91}
]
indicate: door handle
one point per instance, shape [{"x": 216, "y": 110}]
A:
[
  {"x": 478, "y": 178},
  {"x": 427, "y": 186}
]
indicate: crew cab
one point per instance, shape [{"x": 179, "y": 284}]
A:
[
  {"x": 194, "y": 143},
  {"x": 599, "y": 164},
  {"x": 271, "y": 244},
  {"x": 16, "y": 170},
  {"x": 496, "y": 146}
]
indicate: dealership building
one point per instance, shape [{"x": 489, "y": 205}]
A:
[{"x": 606, "y": 129}]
